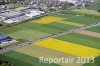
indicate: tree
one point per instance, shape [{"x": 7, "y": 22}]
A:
[
  {"x": 5, "y": 63},
  {"x": 98, "y": 10}
]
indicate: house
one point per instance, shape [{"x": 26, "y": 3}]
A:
[{"x": 78, "y": 2}]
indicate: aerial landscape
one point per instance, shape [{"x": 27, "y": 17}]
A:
[{"x": 49, "y": 32}]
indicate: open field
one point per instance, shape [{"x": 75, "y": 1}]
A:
[
  {"x": 96, "y": 63},
  {"x": 20, "y": 59},
  {"x": 48, "y": 28},
  {"x": 61, "y": 15},
  {"x": 16, "y": 5},
  {"x": 47, "y": 19},
  {"x": 81, "y": 40},
  {"x": 86, "y": 11},
  {"x": 28, "y": 34},
  {"x": 83, "y": 20},
  {"x": 71, "y": 23},
  {"x": 60, "y": 26},
  {"x": 95, "y": 29},
  {"x": 94, "y": 6},
  {"x": 68, "y": 47},
  {"x": 37, "y": 51},
  {"x": 89, "y": 33}
]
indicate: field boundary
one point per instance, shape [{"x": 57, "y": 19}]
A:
[
  {"x": 89, "y": 33},
  {"x": 71, "y": 23}
]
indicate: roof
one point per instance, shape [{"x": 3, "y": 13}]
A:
[
  {"x": 2, "y": 36},
  {"x": 22, "y": 8},
  {"x": 9, "y": 14},
  {"x": 70, "y": 1}
]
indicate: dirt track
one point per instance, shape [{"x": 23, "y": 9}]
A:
[{"x": 89, "y": 33}]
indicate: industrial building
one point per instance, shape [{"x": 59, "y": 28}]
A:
[
  {"x": 11, "y": 14},
  {"x": 6, "y": 40},
  {"x": 21, "y": 14},
  {"x": 4, "y": 37}
]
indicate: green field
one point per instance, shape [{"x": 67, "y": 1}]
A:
[
  {"x": 96, "y": 63},
  {"x": 81, "y": 39},
  {"x": 87, "y": 11},
  {"x": 95, "y": 29},
  {"x": 62, "y": 15},
  {"x": 83, "y": 19},
  {"x": 29, "y": 30},
  {"x": 16, "y": 5},
  {"x": 23, "y": 60},
  {"x": 49, "y": 28},
  {"x": 27, "y": 34},
  {"x": 94, "y": 6},
  {"x": 77, "y": 17}
]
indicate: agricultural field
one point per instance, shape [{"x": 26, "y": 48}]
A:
[
  {"x": 94, "y": 6},
  {"x": 97, "y": 59},
  {"x": 47, "y": 19},
  {"x": 81, "y": 40},
  {"x": 87, "y": 11},
  {"x": 95, "y": 29},
  {"x": 28, "y": 34},
  {"x": 68, "y": 47},
  {"x": 32, "y": 30},
  {"x": 38, "y": 51},
  {"x": 83, "y": 43},
  {"x": 23, "y": 60},
  {"x": 12, "y": 5},
  {"x": 82, "y": 19}
]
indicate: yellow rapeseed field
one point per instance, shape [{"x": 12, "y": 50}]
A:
[
  {"x": 68, "y": 47},
  {"x": 47, "y": 19}
]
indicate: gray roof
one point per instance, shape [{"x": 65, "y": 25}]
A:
[
  {"x": 9, "y": 14},
  {"x": 22, "y": 8}
]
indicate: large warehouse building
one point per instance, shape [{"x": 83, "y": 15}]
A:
[
  {"x": 6, "y": 40},
  {"x": 4, "y": 37},
  {"x": 21, "y": 14},
  {"x": 11, "y": 14}
]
